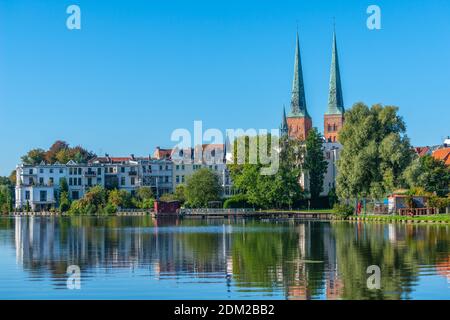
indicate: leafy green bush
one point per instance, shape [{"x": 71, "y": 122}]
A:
[
  {"x": 110, "y": 209},
  {"x": 438, "y": 202},
  {"x": 343, "y": 210},
  {"x": 237, "y": 201}
]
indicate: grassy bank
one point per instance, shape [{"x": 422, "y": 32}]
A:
[
  {"x": 322, "y": 211},
  {"x": 440, "y": 218}
]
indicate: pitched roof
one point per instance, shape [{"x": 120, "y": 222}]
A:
[
  {"x": 442, "y": 154},
  {"x": 110, "y": 159},
  {"x": 162, "y": 153},
  {"x": 422, "y": 151}
]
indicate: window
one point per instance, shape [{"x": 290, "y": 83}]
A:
[
  {"x": 182, "y": 167},
  {"x": 99, "y": 180},
  {"x": 177, "y": 179},
  {"x": 41, "y": 170},
  {"x": 70, "y": 182},
  {"x": 41, "y": 180},
  {"x": 51, "y": 170},
  {"x": 43, "y": 195},
  {"x": 30, "y": 171},
  {"x": 166, "y": 179},
  {"x": 61, "y": 170},
  {"x": 89, "y": 182},
  {"x": 70, "y": 171},
  {"x": 328, "y": 155},
  {"x": 215, "y": 167},
  {"x": 27, "y": 195},
  {"x": 122, "y": 169},
  {"x": 99, "y": 171},
  {"x": 182, "y": 179},
  {"x": 150, "y": 169},
  {"x": 79, "y": 181},
  {"x": 75, "y": 195},
  {"x": 74, "y": 181},
  {"x": 160, "y": 168},
  {"x": 79, "y": 171},
  {"x": 122, "y": 181},
  {"x": 50, "y": 180},
  {"x": 167, "y": 167},
  {"x": 133, "y": 181},
  {"x": 177, "y": 167}
]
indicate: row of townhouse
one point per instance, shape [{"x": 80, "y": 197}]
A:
[
  {"x": 38, "y": 186},
  {"x": 186, "y": 161}
]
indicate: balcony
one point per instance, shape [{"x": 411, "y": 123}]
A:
[{"x": 90, "y": 174}]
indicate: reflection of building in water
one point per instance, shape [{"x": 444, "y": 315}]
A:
[
  {"x": 334, "y": 285},
  {"x": 443, "y": 268},
  {"x": 316, "y": 263},
  {"x": 51, "y": 244}
]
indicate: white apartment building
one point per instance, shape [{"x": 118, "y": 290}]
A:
[{"x": 38, "y": 186}]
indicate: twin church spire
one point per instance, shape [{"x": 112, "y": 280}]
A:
[
  {"x": 298, "y": 122},
  {"x": 298, "y": 100},
  {"x": 335, "y": 100}
]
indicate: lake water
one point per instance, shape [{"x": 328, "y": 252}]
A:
[{"x": 145, "y": 258}]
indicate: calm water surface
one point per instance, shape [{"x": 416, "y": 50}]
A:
[{"x": 144, "y": 258}]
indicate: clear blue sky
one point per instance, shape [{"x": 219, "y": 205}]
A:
[{"x": 137, "y": 70}]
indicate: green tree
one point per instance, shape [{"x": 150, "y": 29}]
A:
[
  {"x": 63, "y": 186},
  {"x": 64, "y": 202},
  {"x": 168, "y": 197},
  {"x": 93, "y": 202},
  {"x": 144, "y": 193},
  {"x": 431, "y": 174},
  {"x": 279, "y": 190},
  {"x": 315, "y": 164},
  {"x": 375, "y": 152},
  {"x": 59, "y": 151},
  {"x": 180, "y": 193},
  {"x": 13, "y": 178},
  {"x": 202, "y": 187},
  {"x": 34, "y": 157},
  {"x": 120, "y": 198},
  {"x": 4, "y": 181},
  {"x": 52, "y": 152},
  {"x": 6, "y": 200}
]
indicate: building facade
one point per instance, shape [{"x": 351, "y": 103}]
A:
[
  {"x": 187, "y": 161},
  {"x": 38, "y": 186}
]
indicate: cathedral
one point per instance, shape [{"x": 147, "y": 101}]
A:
[{"x": 297, "y": 123}]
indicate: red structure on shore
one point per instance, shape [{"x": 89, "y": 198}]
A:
[{"x": 167, "y": 207}]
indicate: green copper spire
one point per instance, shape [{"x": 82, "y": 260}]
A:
[
  {"x": 284, "y": 125},
  {"x": 335, "y": 100},
  {"x": 298, "y": 101}
]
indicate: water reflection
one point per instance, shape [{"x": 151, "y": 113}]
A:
[{"x": 284, "y": 259}]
